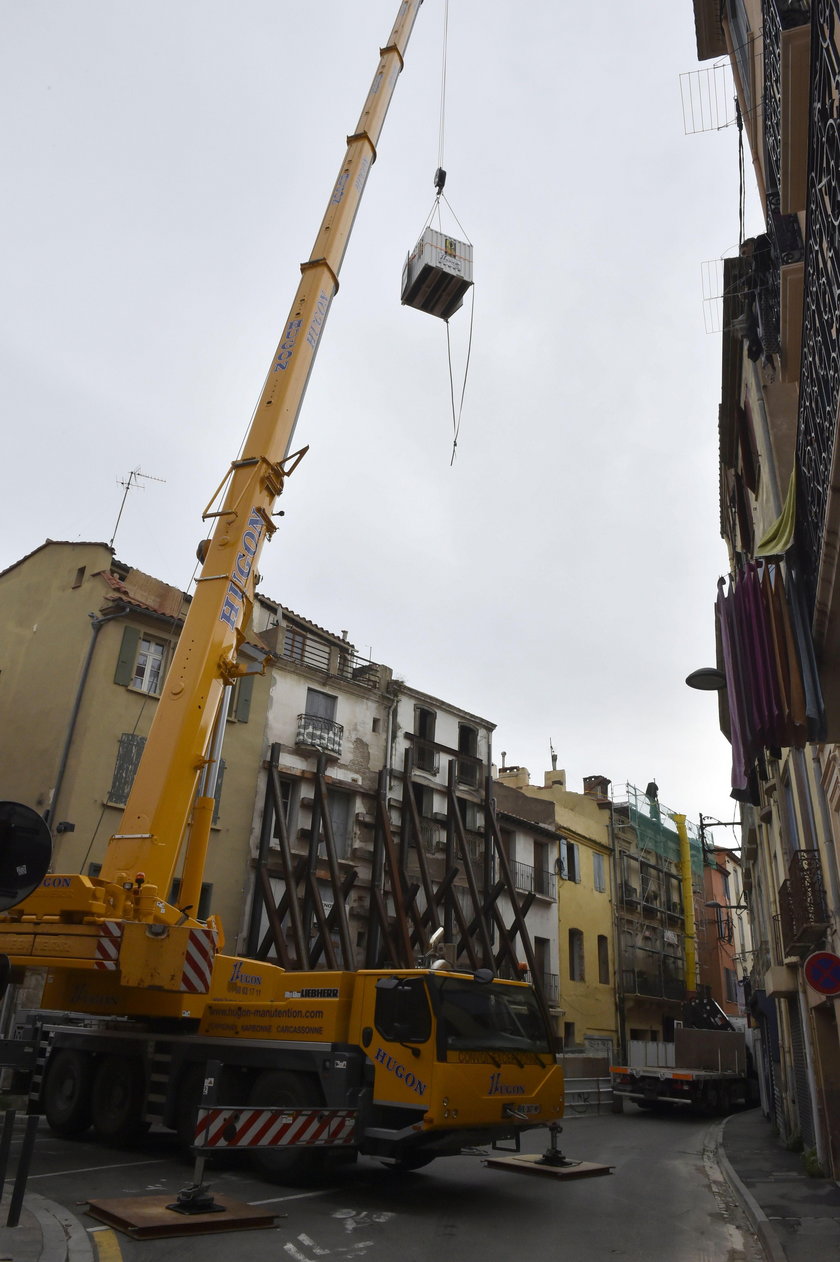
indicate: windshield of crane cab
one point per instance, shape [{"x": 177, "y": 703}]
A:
[{"x": 478, "y": 1016}]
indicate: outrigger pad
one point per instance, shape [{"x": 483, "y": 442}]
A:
[{"x": 536, "y": 1164}]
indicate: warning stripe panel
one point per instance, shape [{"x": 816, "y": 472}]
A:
[
  {"x": 198, "y": 961},
  {"x": 108, "y": 944},
  {"x": 275, "y": 1128}
]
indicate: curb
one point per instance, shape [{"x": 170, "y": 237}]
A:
[
  {"x": 63, "y": 1228},
  {"x": 762, "y": 1225}
]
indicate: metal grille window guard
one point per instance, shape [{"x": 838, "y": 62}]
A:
[{"x": 315, "y": 732}]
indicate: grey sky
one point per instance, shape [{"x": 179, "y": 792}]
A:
[{"x": 167, "y": 166}]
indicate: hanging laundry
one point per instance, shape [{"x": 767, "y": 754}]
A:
[{"x": 773, "y": 690}]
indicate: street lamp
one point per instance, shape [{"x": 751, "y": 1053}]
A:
[
  {"x": 707, "y": 679},
  {"x": 727, "y": 906}
]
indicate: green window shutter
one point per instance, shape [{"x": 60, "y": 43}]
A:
[
  {"x": 243, "y": 698},
  {"x": 128, "y": 656}
]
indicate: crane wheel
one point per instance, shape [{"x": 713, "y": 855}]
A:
[
  {"x": 117, "y": 1100},
  {"x": 67, "y": 1092},
  {"x": 286, "y": 1165}
]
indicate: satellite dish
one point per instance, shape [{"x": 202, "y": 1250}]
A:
[{"x": 25, "y": 852}]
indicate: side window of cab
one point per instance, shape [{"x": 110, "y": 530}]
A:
[{"x": 402, "y": 1013}]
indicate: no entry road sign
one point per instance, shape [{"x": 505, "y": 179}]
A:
[{"x": 822, "y": 972}]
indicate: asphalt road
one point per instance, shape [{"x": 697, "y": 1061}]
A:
[{"x": 665, "y": 1201}]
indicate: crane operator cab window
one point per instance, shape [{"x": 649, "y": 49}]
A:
[
  {"x": 479, "y": 1016},
  {"x": 402, "y": 1013}
]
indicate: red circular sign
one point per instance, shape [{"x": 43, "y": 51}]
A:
[{"x": 822, "y": 972}]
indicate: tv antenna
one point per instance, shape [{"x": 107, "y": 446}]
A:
[{"x": 128, "y": 483}]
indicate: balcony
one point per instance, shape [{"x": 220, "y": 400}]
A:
[
  {"x": 314, "y": 732},
  {"x": 540, "y": 880},
  {"x": 652, "y": 985},
  {"x": 803, "y": 907}
]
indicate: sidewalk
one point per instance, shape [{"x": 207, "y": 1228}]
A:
[
  {"x": 47, "y": 1232},
  {"x": 797, "y": 1218}
]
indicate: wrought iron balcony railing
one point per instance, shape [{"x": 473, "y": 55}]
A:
[
  {"x": 313, "y": 732},
  {"x": 803, "y": 907},
  {"x": 540, "y": 880}
]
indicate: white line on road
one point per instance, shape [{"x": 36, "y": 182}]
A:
[
  {"x": 122, "y": 1165},
  {"x": 299, "y": 1196}
]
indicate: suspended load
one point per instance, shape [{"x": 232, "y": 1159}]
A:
[{"x": 437, "y": 274}]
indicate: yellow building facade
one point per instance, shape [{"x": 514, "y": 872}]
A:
[{"x": 585, "y": 909}]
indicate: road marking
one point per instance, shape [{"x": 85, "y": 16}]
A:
[
  {"x": 121, "y": 1165},
  {"x": 310, "y": 1244},
  {"x": 299, "y": 1196},
  {"x": 107, "y": 1246}
]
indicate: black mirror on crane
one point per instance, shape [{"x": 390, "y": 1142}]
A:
[{"x": 25, "y": 852}]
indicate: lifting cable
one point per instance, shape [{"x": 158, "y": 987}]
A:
[{"x": 440, "y": 181}]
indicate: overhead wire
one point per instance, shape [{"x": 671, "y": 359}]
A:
[{"x": 440, "y": 179}]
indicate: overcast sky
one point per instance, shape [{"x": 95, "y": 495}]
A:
[{"x": 166, "y": 168}]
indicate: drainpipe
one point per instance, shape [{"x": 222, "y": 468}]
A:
[{"x": 96, "y": 625}]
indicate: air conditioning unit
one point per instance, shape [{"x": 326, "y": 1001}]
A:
[{"x": 437, "y": 274}]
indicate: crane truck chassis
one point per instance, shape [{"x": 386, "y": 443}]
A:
[{"x": 426, "y": 1062}]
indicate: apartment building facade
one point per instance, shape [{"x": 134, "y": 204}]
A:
[{"x": 777, "y": 612}]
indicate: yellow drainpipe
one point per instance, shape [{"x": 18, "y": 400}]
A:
[{"x": 688, "y": 905}]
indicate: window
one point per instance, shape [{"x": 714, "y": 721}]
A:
[
  {"x": 125, "y": 768},
  {"x": 576, "y": 966},
  {"x": 603, "y": 960},
  {"x": 141, "y": 662},
  {"x": 339, "y": 810},
  {"x": 320, "y": 705},
  {"x": 148, "y": 669},
  {"x": 731, "y": 980},
  {"x": 294, "y": 645},
  {"x": 468, "y": 747},
  {"x": 568, "y": 1034},
  {"x": 569, "y": 860},
  {"x": 598, "y": 877},
  {"x": 425, "y": 757},
  {"x": 203, "y": 900},
  {"x": 239, "y": 710},
  {"x": 542, "y": 877},
  {"x": 402, "y": 1010}
]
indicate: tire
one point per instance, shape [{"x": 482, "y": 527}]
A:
[
  {"x": 404, "y": 1165},
  {"x": 291, "y": 1165},
  {"x": 117, "y": 1101},
  {"x": 67, "y": 1092}
]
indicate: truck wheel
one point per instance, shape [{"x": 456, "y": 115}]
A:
[
  {"x": 285, "y": 1165},
  {"x": 67, "y": 1090},
  {"x": 117, "y": 1100}
]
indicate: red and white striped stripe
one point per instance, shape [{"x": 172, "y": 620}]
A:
[
  {"x": 108, "y": 944},
  {"x": 198, "y": 961},
  {"x": 275, "y": 1128}
]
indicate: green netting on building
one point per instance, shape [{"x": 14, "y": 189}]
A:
[{"x": 655, "y": 828}]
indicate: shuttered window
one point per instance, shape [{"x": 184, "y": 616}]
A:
[{"x": 125, "y": 768}]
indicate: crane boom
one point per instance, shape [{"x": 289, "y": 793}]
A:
[{"x": 162, "y": 797}]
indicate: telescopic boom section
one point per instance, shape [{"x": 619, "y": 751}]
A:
[{"x": 161, "y": 800}]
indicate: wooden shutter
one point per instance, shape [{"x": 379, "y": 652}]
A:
[
  {"x": 128, "y": 656},
  {"x": 244, "y": 692}
]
